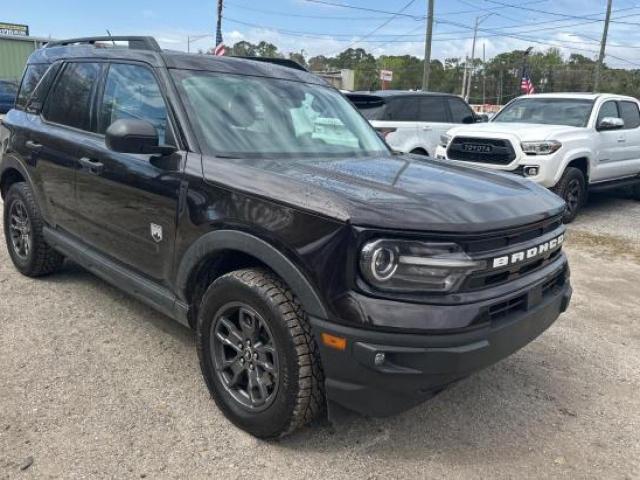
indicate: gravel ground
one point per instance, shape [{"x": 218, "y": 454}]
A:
[{"x": 97, "y": 385}]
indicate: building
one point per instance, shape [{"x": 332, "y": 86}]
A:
[
  {"x": 14, "y": 51},
  {"x": 341, "y": 79}
]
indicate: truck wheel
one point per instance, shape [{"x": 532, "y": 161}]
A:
[
  {"x": 23, "y": 233},
  {"x": 257, "y": 355},
  {"x": 572, "y": 189}
]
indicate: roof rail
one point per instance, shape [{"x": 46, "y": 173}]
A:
[
  {"x": 135, "y": 43},
  {"x": 283, "y": 62}
]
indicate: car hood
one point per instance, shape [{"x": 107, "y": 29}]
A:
[
  {"x": 402, "y": 192},
  {"x": 523, "y": 131}
]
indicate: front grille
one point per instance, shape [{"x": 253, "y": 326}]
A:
[
  {"x": 481, "y": 150},
  {"x": 488, "y": 279},
  {"x": 506, "y": 239},
  {"x": 508, "y": 307},
  {"x": 521, "y": 303}
]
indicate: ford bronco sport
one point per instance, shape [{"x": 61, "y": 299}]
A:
[{"x": 316, "y": 266}]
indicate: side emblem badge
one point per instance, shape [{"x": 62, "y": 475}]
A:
[{"x": 156, "y": 233}]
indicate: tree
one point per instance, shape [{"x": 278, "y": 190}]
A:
[
  {"x": 266, "y": 49},
  {"x": 298, "y": 58},
  {"x": 243, "y": 49}
]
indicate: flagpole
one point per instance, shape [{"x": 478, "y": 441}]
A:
[{"x": 219, "y": 48}]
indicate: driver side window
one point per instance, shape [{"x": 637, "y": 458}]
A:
[{"x": 131, "y": 92}]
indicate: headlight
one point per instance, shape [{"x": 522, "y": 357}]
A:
[
  {"x": 444, "y": 140},
  {"x": 414, "y": 266},
  {"x": 541, "y": 148}
]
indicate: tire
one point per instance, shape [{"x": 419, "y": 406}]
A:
[
  {"x": 572, "y": 189},
  {"x": 290, "y": 390},
  {"x": 23, "y": 223}
]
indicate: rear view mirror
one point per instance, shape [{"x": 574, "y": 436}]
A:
[
  {"x": 610, "y": 123},
  {"x": 135, "y": 136}
]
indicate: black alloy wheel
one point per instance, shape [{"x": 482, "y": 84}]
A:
[
  {"x": 572, "y": 188},
  {"x": 245, "y": 355},
  {"x": 20, "y": 229}
]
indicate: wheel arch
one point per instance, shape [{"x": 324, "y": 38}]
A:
[
  {"x": 579, "y": 160},
  {"x": 11, "y": 174},
  {"x": 222, "y": 251}
]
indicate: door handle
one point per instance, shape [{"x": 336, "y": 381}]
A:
[
  {"x": 91, "y": 166},
  {"x": 31, "y": 145},
  {"x": 622, "y": 139},
  {"x": 425, "y": 128}
]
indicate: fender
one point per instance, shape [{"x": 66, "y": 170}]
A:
[
  {"x": 256, "y": 247},
  {"x": 570, "y": 157},
  {"x": 8, "y": 162}
]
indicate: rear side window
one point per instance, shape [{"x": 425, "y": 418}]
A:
[
  {"x": 131, "y": 92},
  {"x": 401, "y": 109},
  {"x": 630, "y": 114},
  {"x": 432, "y": 109},
  {"x": 460, "y": 111},
  {"x": 69, "y": 103},
  {"x": 30, "y": 79}
]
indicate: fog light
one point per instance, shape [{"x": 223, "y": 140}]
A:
[
  {"x": 379, "y": 359},
  {"x": 531, "y": 171}
]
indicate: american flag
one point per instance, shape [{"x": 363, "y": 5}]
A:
[
  {"x": 526, "y": 86},
  {"x": 220, "y": 49}
]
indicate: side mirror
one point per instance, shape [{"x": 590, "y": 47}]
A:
[
  {"x": 469, "y": 119},
  {"x": 481, "y": 118},
  {"x": 610, "y": 123},
  {"x": 135, "y": 136}
]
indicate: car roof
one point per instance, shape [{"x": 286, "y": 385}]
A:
[
  {"x": 577, "y": 95},
  {"x": 175, "y": 60},
  {"x": 399, "y": 93}
]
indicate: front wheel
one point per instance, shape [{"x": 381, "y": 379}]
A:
[
  {"x": 572, "y": 188},
  {"x": 257, "y": 354}
]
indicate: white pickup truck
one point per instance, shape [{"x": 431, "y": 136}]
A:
[{"x": 568, "y": 142}]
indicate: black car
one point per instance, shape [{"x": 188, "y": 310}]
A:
[
  {"x": 8, "y": 91},
  {"x": 251, "y": 202}
]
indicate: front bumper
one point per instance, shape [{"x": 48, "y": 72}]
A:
[{"x": 417, "y": 366}]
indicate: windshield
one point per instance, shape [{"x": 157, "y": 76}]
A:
[
  {"x": 547, "y": 111},
  {"x": 243, "y": 116}
]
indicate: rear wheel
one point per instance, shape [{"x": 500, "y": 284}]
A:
[
  {"x": 572, "y": 189},
  {"x": 30, "y": 254},
  {"x": 257, "y": 354}
]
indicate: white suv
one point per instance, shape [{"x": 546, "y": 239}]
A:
[
  {"x": 412, "y": 122},
  {"x": 569, "y": 142}
]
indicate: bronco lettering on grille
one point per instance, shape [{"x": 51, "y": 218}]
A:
[{"x": 528, "y": 254}]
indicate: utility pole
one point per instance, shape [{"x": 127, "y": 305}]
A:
[
  {"x": 464, "y": 76},
  {"x": 479, "y": 20},
  {"x": 603, "y": 46},
  {"x": 484, "y": 75},
  {"x": 427, "y": 47}
]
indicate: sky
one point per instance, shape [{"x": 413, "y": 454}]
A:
[{"x": 319, "y": 28}]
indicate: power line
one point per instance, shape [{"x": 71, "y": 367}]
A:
[
  {"x": 366, "y": 9},
  {"x": 555, "y": 14},
  {"x": 384, "y": 24}
]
